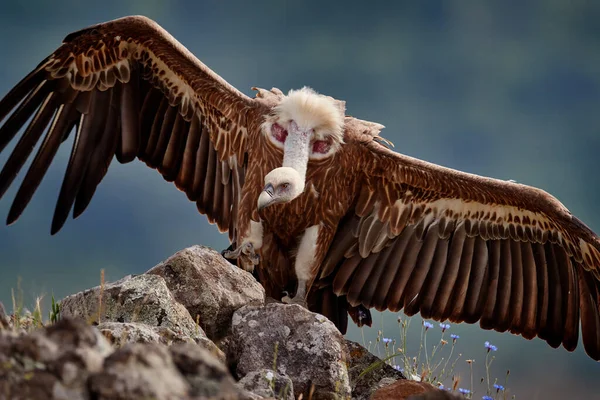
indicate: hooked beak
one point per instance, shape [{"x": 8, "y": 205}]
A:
[{"x": 267, "y": 197}]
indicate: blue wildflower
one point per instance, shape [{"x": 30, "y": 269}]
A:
[
  {"x": 387, "y": 340},
  {"x": 464, "y": 391},
  {"x": 498, "y": 388},
  {"x": 427, "y": 325},
  {"x": 454, "y": 337},
  {"x": 398, "y": 368},
  {"x": 487, "y": 398},
  {"x": 444, "y": 326},
  {"x": 490, "y": 347}
]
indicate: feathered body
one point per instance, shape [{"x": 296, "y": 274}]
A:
[{"x": 309, "y": 196}]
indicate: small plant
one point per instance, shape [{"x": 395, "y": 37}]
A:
[
  {"x": 435, "y": 364},
  {"x": 54, "y": 313},
  {"x": 24, "y": 319}
]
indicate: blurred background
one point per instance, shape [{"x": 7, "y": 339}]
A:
[{"x": 507, "y": 89}]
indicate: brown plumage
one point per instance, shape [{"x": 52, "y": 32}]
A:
[{"x": 368, "y": 227}]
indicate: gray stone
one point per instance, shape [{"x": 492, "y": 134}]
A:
[
  {"x": 360, "y": 360},
  {"x": 207, "y": 376},
  {"x": 139, "y": 371},
  {"x": 121, "y": 333},
  {"x": 143, "y": 299},
  {"x": 209, "y": 287},
  {"x": 51, "y": 363},
  {"x": 268, "y": 383},
  {"x": 303, "y": 345}
]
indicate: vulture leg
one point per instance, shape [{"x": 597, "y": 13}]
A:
[{"x": 308, "y": 257}]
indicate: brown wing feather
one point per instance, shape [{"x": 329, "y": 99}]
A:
[
  {"x": 161, "y": 103},
  {"x": 461, "y": 247}
]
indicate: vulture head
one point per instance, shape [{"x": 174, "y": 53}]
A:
[
  {"x": 305, "y": 125},
  {"x": 281, "y": 186}
]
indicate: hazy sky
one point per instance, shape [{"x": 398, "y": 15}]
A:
[{"x": 495, "y": 88}]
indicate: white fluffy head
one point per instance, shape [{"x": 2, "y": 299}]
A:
[{"x": 310, "y": 111}]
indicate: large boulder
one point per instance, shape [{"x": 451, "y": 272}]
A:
[
  {"x": 303, "y": 345},
  {"x": 144, "y": 299},
  {"x": 209, "y": 287}
]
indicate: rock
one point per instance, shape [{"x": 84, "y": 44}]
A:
[
  {"x": 207, "y": 376},
  {"x": 405, "y": 389},
  {"x": 139, "y": 371},
  {"x": 268, "y": 383},
  {"x": 360, "y": 360},
  {"x": 121, "y": 333},
  {"x": 51, "y": 363},
  {"x": 142, "y": 299},
  {"x": 209, "y": 287},
  {"x": 73, "y": 360},
  {"x": 303, "y": 345}
]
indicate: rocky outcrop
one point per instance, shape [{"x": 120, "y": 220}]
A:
[
  {"x": 302, "y": 345},
  {"x": 139, "y": 338},
  {"x": 72, "y": 360},
  {"x": 144, "y": 299},
  {"x": 209, "y": 287}
]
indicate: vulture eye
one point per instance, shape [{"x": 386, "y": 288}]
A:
[{"x": 285, "y": 185}]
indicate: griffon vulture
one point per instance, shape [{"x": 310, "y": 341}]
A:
[{"x": 313, "y": 198}]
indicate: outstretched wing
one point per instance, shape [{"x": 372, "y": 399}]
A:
[
  {"x": 457, "y": 246},
  {"x": 130, "y": 90}
]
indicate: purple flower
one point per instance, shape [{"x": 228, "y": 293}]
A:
[
  {"x": 464, "y": 391},
  {"x": 444, "y": 326},
  {"x": 498, "y": 388},
  {"x": 454, "y": 337},
  {"x": 387, "y": 340},
  {"x": 487, "y": 398},
  {"x": 427, "y": 325},
  {"x": 398, "y": 368},
  {"x": 490, "y": 347}
]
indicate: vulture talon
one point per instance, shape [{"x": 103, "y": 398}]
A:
[
  {"x": 301, "y": 301},
  {"x": 299, "y": 298},
  {"x": 245, "y": 254}
]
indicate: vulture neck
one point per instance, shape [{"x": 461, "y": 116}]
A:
[{"x": 295, "y": 152}]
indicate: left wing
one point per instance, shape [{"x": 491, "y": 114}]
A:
[
  {"x": 132, "y": 91},
  {"x": 457, "y": 246}
]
